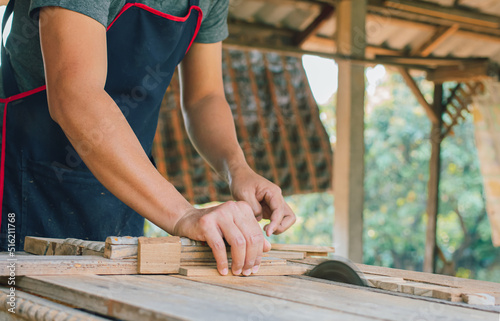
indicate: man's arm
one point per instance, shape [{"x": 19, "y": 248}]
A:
[
  {"x": 75, "y": 60},
  {"x": 210, "y": 126}
]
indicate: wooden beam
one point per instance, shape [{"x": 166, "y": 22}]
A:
[
  {"x": 409, "y": 19},
  {"x": 418, "y": 94},
  {"x": 439, "y": 36},
  {"x": 349, "y": 151},
  {"x": 325, "y": 14},
  {"x": 466, "y": 72},
  {"x": 449, "y": 13},
  {"x": 433, "y": 184}
]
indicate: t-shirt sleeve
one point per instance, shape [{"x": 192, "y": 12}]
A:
[
  {"x": 96, "y": 9},
  {"x": 214, "y": 25}
]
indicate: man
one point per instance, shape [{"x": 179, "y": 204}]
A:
[{"x": 76, "y": 158}]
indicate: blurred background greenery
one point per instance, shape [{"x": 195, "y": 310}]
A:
[{"x": 396, "y": 174}]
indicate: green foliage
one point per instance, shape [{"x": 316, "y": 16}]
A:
[{"x": 396, "y": 175}]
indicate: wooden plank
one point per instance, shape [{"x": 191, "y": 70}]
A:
[
  {"x": 439, "y": 36},
  {"x": 159, "y": 255},
  {"x": 325, "y": 14},
  {"x": 289, "y": 255},
  {"x": 288, "y": 269},
  {"x": 31, "y": 307},
  {"x": 466, "y": 72},
  {"x": 433, "y": 184},
  {"x": 418, "y": 95},
  {"x": 448, "y": 13},
  {"x": 38, "y": 245},
  {"x": 302, "y": 248},
  {"x": 160, "y": 297},
  {"x": 436, "y": 279},
  {"x": 61, "y": 264},
  {"x": 69, "y": 246},
  {"x": 362, "y": 302}
]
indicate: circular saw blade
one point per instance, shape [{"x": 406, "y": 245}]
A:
[{"x": 339, "y": 270}]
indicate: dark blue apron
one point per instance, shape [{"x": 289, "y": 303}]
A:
[{"x": 42, "y": 178}]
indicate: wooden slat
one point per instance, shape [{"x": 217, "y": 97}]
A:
[
  {"x": 287, "y": 269},
  {"x": 60, "y": 265},
  {"x": 302, "y": 248},
  {"x": 148, "y": 298},
  {"x": 439, "y": 36},
  {"x": 31, "y": 307},
  {"x": 448, "y": 13},
  {"x": 436, "y": 279},
  {"x": 362, "y": 302},
  {"x": 418, "y": 95},
  {"x": 325, "y": 14}
]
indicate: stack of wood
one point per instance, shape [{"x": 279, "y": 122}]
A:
[{"x": 142, "y": 255}]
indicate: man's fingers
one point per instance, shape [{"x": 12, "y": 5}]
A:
[
  {"x": 233, "y": 235},
  {"x": 253, "y": 236},
  {"x": 216, "y": 242},
  {"x": 287, "y": 221}
]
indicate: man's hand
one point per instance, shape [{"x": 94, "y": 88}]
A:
[
  {"x": 234, "y": 222},
  {"x": 264, "y": 197}
]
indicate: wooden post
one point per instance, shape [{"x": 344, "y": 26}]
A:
[
  {"x": 433, "y": 186},
  {"x": 349, "y": 151}
]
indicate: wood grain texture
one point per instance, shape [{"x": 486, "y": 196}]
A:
[
  {"x": 280, "y": 269},
  {"x": 33, "y": 308},
  {"x": 159, "y": 255},
  {"x": 350, "y": 300},
  {"x": 61, "y": 264},
  {"x": 161, "y": 297},
  {"x": 302, "y": 248}
]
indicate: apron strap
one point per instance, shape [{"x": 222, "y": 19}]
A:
[{"x": 9, "y": 83}]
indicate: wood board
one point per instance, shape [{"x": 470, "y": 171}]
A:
[
  {"x": 426, "y": 284},
  {"x": 280, "y": 269},
  {"x": 146, "y": 298},
  {"x": 31, "y": 307}
]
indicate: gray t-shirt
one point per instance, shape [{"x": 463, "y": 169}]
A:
[{"x": 24, "y": 41}]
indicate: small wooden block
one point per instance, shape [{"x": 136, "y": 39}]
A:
[
  {"x": 288, "y": 269},
  {"x": 478, "y": 298},
  {"x": 448, "y": 294},
  {"x": 38, "y": 245},
  {"x": 159, "y": 255}
]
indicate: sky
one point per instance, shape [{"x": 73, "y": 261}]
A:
[{"x": 322, "y": 75}]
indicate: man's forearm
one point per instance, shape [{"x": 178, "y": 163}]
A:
[
  {"x": 210, "y": 126},
  {"x": 103, "y": 138}
]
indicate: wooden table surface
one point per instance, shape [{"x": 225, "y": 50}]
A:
[{"x": 173, "y": 297}]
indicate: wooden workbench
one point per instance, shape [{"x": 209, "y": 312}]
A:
[{"x": 174, "y": 297}]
